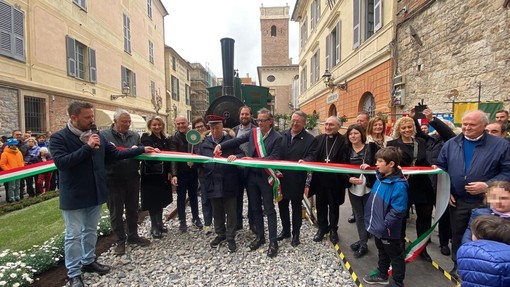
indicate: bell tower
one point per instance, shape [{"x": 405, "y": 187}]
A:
[{"x": 274, "y": 28}]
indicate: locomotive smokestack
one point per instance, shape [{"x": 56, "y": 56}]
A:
[{"x": 227, "y": 54}]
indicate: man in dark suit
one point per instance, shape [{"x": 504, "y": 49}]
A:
[
  {"x": 80, "y": 155},
  {"x": 297, "y": 145},
  {"x": 329, "y": 188},
  {"x": 260, "y": 190}
]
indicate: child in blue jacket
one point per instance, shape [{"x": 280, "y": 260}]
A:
[{"x": 384, "y": 216}]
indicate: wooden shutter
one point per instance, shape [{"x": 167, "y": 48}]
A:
[
  {"x": 92, "y": 66},
  {"x": 18, "y": 34},
  {"x": 123, "y": 77},
  {"x": 71, "y": 56},
  {"x": 356, "y": 16},
  {"x": 127, "y": 36},
  {"x": 328, "y": 52},
  {"x": 134, "y": 84},
  {"x": 6, "y": 29}
]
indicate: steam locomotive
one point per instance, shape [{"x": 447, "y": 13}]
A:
[{"x": 227, "y": 99}]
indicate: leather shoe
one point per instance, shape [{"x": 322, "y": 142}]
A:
[
  {"x": 272, "y": 251},
  {"x": 282, "y": 236},
  {"x": 425, "y": 255},
  {"x": 362, "y": 250},
  {"x": 351, "y": 219},
  {"x": 255, "y": 244},
  {"x": 155, "y": 232},
  {"x": 96, "y": 267},
  {"x": 333, "y": 237},
  {"x": 295, "y": 241},
  {"x": 319, "y": 235},
  {"x": 355, "y": 246},
  {"x": 445, "y": 250},
  {"x": 120, "y": 249},
  {"x": 76, "y": 281}
]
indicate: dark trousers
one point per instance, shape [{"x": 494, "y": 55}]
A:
[
  {"x": 459, "y": 219},
  {"x": 358, "y": 208},
  {"x": 123, "y": 193},
  {"x": 391, "y": 251},
  {"x": 30, "y": 185},
  {"x": 187, "y": 181},
  {"x": 327, "y": 204},
  {"x": 423, "y": 217},
  {"x": 297, "y": 215},
  {"x": 207, "y": 210},
  {"x": 240, "y": 203},
  {"x": 445, "y": 229},
  {"x": 260, "y": 192},
  {"x": 222, "y": 207}
]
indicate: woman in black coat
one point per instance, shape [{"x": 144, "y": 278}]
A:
[
  {"x": 156, "y": 191},
  {"x": 421, "y": 192}
]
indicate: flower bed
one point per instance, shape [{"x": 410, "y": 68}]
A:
[{"x": 17, "y": 268}]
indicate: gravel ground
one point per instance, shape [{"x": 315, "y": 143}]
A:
[{"x": 188, "y": 260}]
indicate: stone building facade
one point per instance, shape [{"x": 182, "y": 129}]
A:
[
  {"x": 109, "y": 53},
  {"x": 345, "y": 58},
  {"x": 454, "y": 48}
]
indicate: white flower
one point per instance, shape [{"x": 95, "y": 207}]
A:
[
  {"x": 3, "y": 283},
  {"x": 13, "y": 275},
  {"x": 29, "y": 280},
  {"x": 16, "y": 284}
]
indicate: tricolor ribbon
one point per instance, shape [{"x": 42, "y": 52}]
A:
[{"x": 443, "y": 179}]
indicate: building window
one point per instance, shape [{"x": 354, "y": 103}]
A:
[
  {"x": 151, "y": 52},
  {"x": 12, "y": 32},
  {"x": 174, "y": 66},
  {"x": 188, "y": 94},
  {"x": 315, "y": 67},
  {"x": 304, "y": 34},
  {"x": 315, "y": 13},
  {"x": 127, "y": 34},
  {"x": 368, "y": 104},
  {"x": 303, "y": 78},
  {"x": 81, "y": 3},
  {"x": 273, "y": 31},
  {"x": 153, "y": 90},
  {"x": 81, "y": 61},
  {"x": 128, "y": 79},
  {"x": 175, "y": 88},
  {"x": 367, "y": 19},
  {"x": 333, "y": 47},
  {"x": 35, "y": 114},
  {"x": 149, "y": 8}
]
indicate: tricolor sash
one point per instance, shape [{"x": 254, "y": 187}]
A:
[{"x": 274, "y": 175}]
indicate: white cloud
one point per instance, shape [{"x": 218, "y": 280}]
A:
[{"x": 194, "y": 29}]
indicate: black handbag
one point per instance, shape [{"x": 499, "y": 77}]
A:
[{"x": 151, "y": 167}]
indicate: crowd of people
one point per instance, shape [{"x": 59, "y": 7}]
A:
[
  {"x": 477, "y": 158},
  {"x": 21, "y": 149}
]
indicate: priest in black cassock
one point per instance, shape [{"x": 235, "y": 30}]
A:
[{"x": 329, "y": 188}]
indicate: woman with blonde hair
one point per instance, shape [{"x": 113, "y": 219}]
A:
[
  {"x": 376, "y": 132},
  {"x": 156, "y": 191},
  {"x": 420, "y": 192}
]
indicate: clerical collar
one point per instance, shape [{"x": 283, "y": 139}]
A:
[
  {"x": 332, "y": 136},
  {"x": 475, "y": 139}
]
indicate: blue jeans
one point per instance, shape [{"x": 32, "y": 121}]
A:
[
  {"x": 13, "y": 190},
  {"x": 80, "y": 238}
]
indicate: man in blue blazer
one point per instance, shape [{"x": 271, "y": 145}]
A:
[
  {"x": 80, "y": 154},
  {"x": 263, "y": 138}
]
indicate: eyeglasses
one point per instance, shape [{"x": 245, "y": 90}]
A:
[
  {"x": 200, "y": 127},
  {"x": 262, "y": 120}
]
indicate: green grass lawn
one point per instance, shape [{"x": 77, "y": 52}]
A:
[{"x": 21, "y": 229}]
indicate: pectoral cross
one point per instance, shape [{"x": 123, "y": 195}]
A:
[{"x": 327, "y": 160}]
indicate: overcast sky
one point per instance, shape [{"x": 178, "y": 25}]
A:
[{"x": 193, "y": 28}]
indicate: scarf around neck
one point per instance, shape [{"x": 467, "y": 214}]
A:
[{"x": 83, "y": 135}]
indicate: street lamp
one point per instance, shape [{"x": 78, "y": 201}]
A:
[{"x": 125, "y": 92}]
